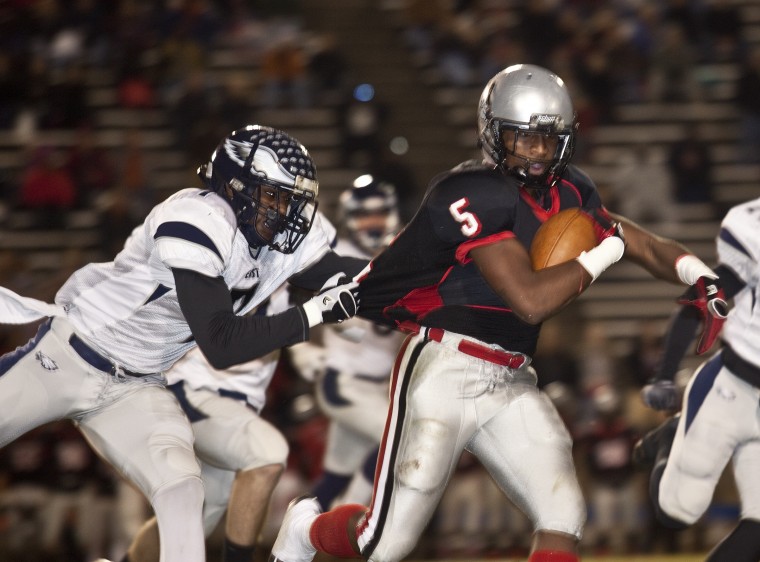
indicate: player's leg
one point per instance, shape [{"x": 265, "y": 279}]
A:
[
  {"x": 357, "y": 409},
  {"x": 743, "y": 543},
  {"x": 243, "y": 457},
  {"x": 359, "y": 490},
  {"x": 422, "y": 442},
  {"x": 146, "y": 436},
  {"x": 39, "y": 382},
  {"x": 528, "y": 451},
  {"x": 345, "y": 451},
  {"x": 709, "y": 430}
]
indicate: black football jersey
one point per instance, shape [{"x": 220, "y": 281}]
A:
[{"x": 426, "y": 276}]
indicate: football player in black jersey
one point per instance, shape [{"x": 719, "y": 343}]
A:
[{"x": 458, "y": 278}]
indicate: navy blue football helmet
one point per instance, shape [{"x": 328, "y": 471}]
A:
[
  {"x": 370, "y": 195},
  {"x": 258, "y": 162}
]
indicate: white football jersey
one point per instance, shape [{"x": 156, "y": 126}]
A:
[
  {"x": 358, "y": 346},
  {"x": 739, "y": 249},
  {"x": 128, "y": 308}
]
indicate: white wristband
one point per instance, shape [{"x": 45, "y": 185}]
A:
[
  {"x": 313, "y": 314},
  {"x": 690, "y": 268},
  {"x": 602, "y": 256}
]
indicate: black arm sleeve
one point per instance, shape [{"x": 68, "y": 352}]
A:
[
  {"x": 684, "y": 325},
  {"x": 225, "y": 338}
]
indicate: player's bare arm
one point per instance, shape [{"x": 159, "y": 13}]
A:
[
  {"x": 532, "y": 295},
  {"x": 654, "y": 253}
]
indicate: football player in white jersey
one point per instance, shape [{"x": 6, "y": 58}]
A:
[
  {"x": 719, "y": 413},
  {"x": 187, "y": 276},
  {"x": 352, "y": 384}
]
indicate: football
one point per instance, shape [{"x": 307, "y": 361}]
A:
[{"x": 562, "y": 238}]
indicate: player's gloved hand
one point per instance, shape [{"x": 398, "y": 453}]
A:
[
  {"x": 604, "y": 225},
  {"x": 332, "y": 305},
  {"x": 660, "y": 395},
  {"x": 707, "y": 296}
]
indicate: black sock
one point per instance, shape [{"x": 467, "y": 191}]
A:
[
  {"x": 236, "y": 553},
  {"x": 743, "y": 544}
]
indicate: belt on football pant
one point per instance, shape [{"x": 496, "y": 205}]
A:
[
  {"x": 97, "y": 360},
  {"x": 473, "y": 349}
]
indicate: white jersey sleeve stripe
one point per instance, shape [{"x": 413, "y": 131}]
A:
[{"x": 185, "y": 231}]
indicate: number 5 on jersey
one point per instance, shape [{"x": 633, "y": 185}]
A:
[{"x": 470, "y": 224}]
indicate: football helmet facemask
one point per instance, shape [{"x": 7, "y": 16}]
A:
[
  {"x": 262, "y": 166},
  {"x": 370, "y": 196},
  {"x": 527, "y": 100}
]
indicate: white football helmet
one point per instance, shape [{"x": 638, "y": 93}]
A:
[
  {"x": 370, "y": 196},
  {"x": 255, "y": 158},
  {"x": 527, "y": 99}
]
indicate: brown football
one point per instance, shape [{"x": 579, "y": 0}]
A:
[{"x": 562, "y": 238}]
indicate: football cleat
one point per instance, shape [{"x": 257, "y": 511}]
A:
[{"x": 292, "y": 544}]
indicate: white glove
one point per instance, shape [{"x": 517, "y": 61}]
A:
[
  {"x": 332, "y": 305},
  {"x": 599, "y": 258}
]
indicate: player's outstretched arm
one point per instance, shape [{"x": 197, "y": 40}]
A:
[{"x": 536, "y": 295}]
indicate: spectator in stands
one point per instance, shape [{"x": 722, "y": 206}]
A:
[
  {"x": 235, "y": 104},
  {"x": 47, "y": 188},
  {"x": 66, "y": 97},
  {"x": 24, "y": 493},
  {"x": 327, "y": 67},
  {"x": 499, "y": 50},
  {"x": 191, "y": 114},
  {"x": 690, "y": 164},
  {"x": 456, "y": 50},
  {"x": 11, "y": 89},
  {"x": 539, "y": 29},
  {"x": 723, "y": 31},
  {"x": 284, "y": 75},
  {"x": 671, "y": 77},
  {"x": 554, "y": 358},
  {"x": 748, "y": 101},
  {"x": 615, "y": 501},
  {"x": 643, "y": 185},
  {"x": 90, "y": 166}
]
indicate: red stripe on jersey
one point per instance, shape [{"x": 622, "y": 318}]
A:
[
  {"x": 464, "y": 249},
  {"x": 572, "y": 186}
]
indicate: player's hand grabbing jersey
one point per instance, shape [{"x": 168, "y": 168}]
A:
[{"x": 426, "y": 276}]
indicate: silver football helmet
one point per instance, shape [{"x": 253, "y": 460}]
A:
[
  {"x": 526, "y": 99},
  {"x": 258, "y": 160}
]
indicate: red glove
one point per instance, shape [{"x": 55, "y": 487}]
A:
[
  {"x": 604, "y": 225},
  {"x": 707, "y": 296}
]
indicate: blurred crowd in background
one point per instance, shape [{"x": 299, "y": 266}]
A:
[{"x": 59, "y": 502}]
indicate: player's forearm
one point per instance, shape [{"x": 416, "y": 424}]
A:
[
  {"x": 233, "y": 340},
  {"x": 225, "y": 338},
  {"x": 654, "y": 253}
]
